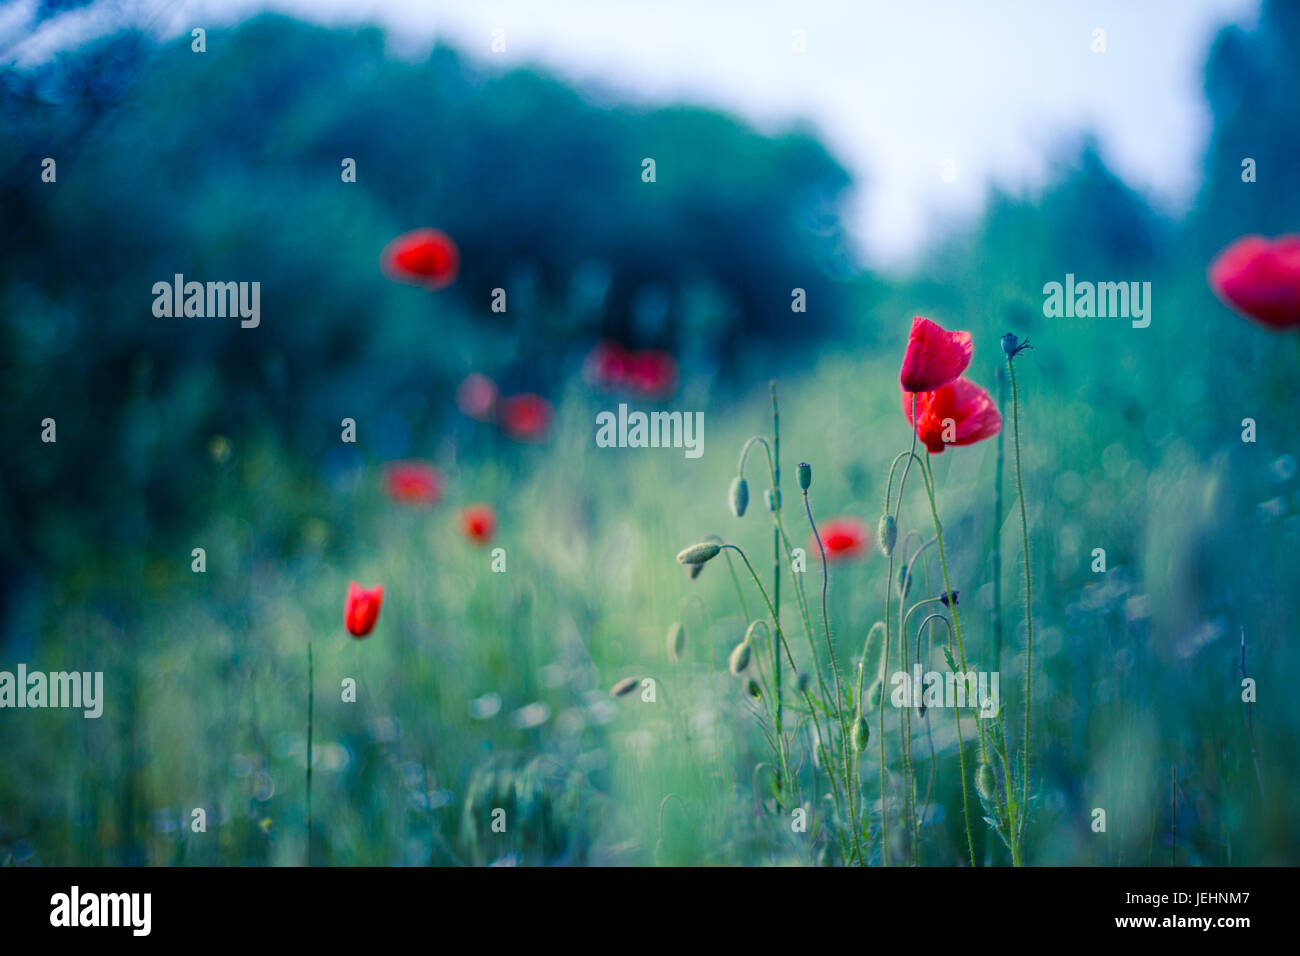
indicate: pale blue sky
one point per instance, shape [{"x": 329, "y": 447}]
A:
[{"x": 893, "y": 88}]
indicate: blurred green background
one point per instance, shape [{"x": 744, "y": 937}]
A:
[{"x": 479, "y": 690}]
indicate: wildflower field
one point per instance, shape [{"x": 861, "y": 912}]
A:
[{"x": 972, "y": 566}]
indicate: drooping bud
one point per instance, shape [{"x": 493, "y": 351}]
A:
[
  {"x": 861, "y": 734},
  {"x": 887, "y": 534},
  {"x": 986, "y": 783},
  {"x": 949, "y": 598},
  {"x": 739, "y": 496},
  {"x": 676, "y": 641},
  {"x": 699, "y": 553},
  {"x": 805, "y": 475},
  {"x": 624, "y": 687},
  {"x": 904, "y": 582},
  {"x": 739, "y": 658}
]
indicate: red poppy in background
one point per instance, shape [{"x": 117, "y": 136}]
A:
[
  {"x": 423, "y": 257},
  {"x": 476, "y": 396},
  {"x": 1260, "y": 278},
  {"x": 842, "y": 538},
  {"x": 525, "y": 417},
  {"x": 413, "y": 483},
  {"x": 361, "y": 610},
  {"x": 479, "y": 523},
  {"x": 960, "y": 412},
  {"x": 934, "y": 356},
  {"x": 650, "y": 373}
]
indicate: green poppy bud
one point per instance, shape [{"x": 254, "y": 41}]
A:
[
  {"x": 805, "y": 475},
  {"x": 739, "y": 496},
  {"x": 699, "y": 553},
  {"x": 739, "y": 658},
  {"x": 676, "y": 641},
  {"x": 985, "y": 782},
  {"x": 861, "y": 734},
  {"x": 624, "y": 687},
  {"x": 887, "y": 534}
]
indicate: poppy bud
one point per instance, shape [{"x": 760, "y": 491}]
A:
[
  {"x": 739, "y": 496},
  {"x": 739, "y": 659},
  {"x": 904, "y": 582},
  {"x": 949, "y": 598},
  {"x": 887, "y": 534},
  {"x": 624, "y": 687},
  {"x": 985, "y": 782},
  {"x": 699, "y": 553},
  {"x": 805, "y": 475},
  {"x": 1009, "y": 343},
  {"x": 676, "y": 640},
  {"x": 861, "y": 734}
]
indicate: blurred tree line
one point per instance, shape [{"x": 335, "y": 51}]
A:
[{"x": 226, "y": 166}]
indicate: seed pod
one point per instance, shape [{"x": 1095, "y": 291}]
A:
[
  {"x": 676, "y": 640},
  {"x": 739, "y": 496},
  {"x": 805, "y": 475},
  {"x": 861, "y": 734},
  {"x": 699, "y": 553},
  {"x": 887, "y": 534},
  {"x": 985, "y": 782},
  {"x": 739, "y": 658},
  {"x": 904, "y": 582},
  {"x": 624, "y": 687},
  {"x": 1009, "y": 343}
]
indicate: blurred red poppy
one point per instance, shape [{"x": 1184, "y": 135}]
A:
[
  {"x": 476, "y": 396},
  {"x": 423, "y": 257},
  {"x": 650, "y": 373},
  {"x": 413, "y": 483},
  {"x": 479, "y": 523},
  {"x": 1260, "y": 278},
  {"x": 361, "y": 610},
  {"x": 960, "y": 413},
  {"x": 934, "y": 356},
  {"x": 525, "y": 417},
  {"x": 842, "y": 538}
]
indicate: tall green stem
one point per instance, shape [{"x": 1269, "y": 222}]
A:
[
  {"x": 1029, "y": 592},
  {"x": 311, "y": 693}
]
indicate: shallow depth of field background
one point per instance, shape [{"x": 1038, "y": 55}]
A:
[{"x": 479, "y": 690}]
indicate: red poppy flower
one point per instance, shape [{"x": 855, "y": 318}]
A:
[
  {"x": 525, "y": 417},
  {"x": 479, "y": 523},
  {"x": 607, "y": 365},
  {"x": 934, "y": 356},
  {"x": 650, "y": 373},
  {"x": 653, "y": 374},
  {"x": 476, "y": 396},
  {"x": 361, "y": 610},
  {"x": 423, "y": 257},
  {"x": 1261, "y": 278},
  {"x": 413, "y": 483},
  {"x": 960, "y": 413},
  {"x": 842, "y": 538}
]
